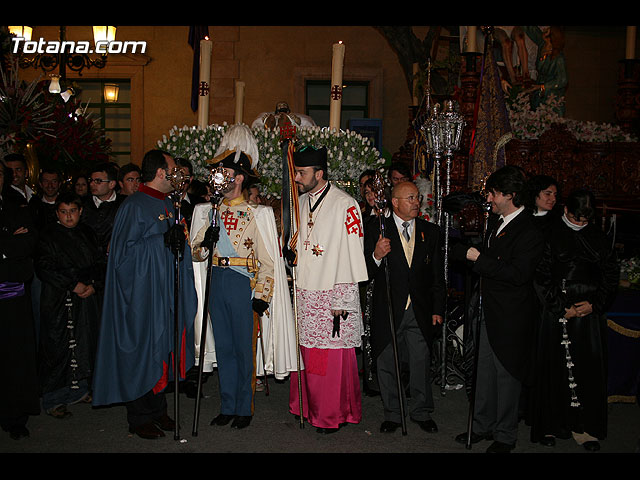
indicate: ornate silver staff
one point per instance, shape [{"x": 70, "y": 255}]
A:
[
  {"x": 219, "y": 180},
  {"x": 178, "y": 181},
  {"x": 380, "y": 205},
  {"x": 443, "y": 133}
]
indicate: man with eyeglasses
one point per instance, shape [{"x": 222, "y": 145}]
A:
[
  {"x": 129, "y": 177},
  {"x": 412, "y": 249},
  {"x": 99, "y": 210}
]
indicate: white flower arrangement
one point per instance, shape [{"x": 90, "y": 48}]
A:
[
  {"x": 630, "y": 270},
  {"x": 349, "y": 153},
  {"x": 529, "y": 124}
]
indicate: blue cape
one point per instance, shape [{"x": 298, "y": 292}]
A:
[{"x": 136, "y": 339}]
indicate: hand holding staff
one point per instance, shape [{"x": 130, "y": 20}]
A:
[
  {"x": 176, "y": 239},
  {"x": 219, "y": 180},
  {"x": 380, "y": 204}
]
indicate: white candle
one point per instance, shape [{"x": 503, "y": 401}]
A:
[
  {"x": 472, "y": 39},
  {"x": 630, "y": 53},
  {"x": 204, "y": 86},
  {"x": 336, "y": 86},
  {"x": 239, "y": 101}
]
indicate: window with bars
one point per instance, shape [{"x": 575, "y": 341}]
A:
[
  {"x": 113, "y": 117},
  {"x": 355, "y": 101}
]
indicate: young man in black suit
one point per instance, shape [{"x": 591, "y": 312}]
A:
[
  {"x": 413, "y": 250},
  {"x": 506, "y": 266}
]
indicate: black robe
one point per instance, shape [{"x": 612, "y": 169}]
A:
[
  {"x": 584, "y": 260},
  {"x": 66, "y": 256},
  {"x": 17, "y": 333}
]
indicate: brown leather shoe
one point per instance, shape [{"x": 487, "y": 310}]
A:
[
  {"x": 165, "y": 422},
  {"x": 147, "y": 431}
]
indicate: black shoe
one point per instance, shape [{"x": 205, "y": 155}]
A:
[
  {"x": 548, "y": 441},
  {"x": 326, "y": 431},
  {"x": 389, "y": 427},
  {"x": 592, "y": 446},
  {"x": 222, "y": 420},
  {"x": 240, "y": 422},
  {"x": 165, "y": 423},
  {"x": 427, "y": 425},
  {"x": 475, "y": 437},
  {"x": 148, "y": 431},
  {"x": 500, "y": 447},
  {"x": 370, "y": 392},
  {"x": 190, "y": 389}
]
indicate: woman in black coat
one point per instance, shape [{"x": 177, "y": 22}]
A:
[
  {"x": 71, "y": 267},
  {"x": 576, "y": 282}
]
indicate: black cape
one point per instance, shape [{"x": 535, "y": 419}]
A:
[
  {"x": 69, "y": 324},
  {"x": 17, "y": 332},
  {"x": 586, "y": 263}
]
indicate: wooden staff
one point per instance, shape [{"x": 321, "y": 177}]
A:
[
  {"x": 380, "y": 202},
  {"x": 219, "y": 179}
]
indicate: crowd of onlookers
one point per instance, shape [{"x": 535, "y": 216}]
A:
[{"x": 55, "y": 245}]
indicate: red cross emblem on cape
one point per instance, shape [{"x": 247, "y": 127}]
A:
[
  {"x": 230, "y": 221},
  {"x": 353, "y": 223}
]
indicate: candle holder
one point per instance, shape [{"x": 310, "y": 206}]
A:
[{"x": 443, "y": 133}]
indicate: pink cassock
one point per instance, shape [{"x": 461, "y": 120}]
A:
[{"x": 330, "y": 387}]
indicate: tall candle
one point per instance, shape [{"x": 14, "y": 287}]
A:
[
  {"x": 630, "y": 53},
  {"x": 336, "y": 86},
  {"x": 472, "y": 39},
  {"x": 206, "y": 47},
  {"x": 239, "y": 101}
]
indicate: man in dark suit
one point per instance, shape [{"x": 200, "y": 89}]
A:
[
  {"x": 506, "y": 268},
  {"x": 100, "y": 208},
  {"x": 412, "y": 248}
]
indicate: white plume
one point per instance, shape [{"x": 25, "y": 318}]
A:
[{"x": 239, "y": 137}]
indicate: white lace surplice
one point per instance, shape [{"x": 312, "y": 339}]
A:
[{"x": 316, "y": 320}]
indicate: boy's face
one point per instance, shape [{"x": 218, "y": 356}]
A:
[{"x": 69, "y": 214}]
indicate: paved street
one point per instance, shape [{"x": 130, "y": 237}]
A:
[{"x": 274, "y": 430}]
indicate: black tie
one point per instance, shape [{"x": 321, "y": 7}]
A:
[{"x": 495, "y": 231}]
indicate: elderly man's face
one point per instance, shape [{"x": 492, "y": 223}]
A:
[{"x": 406, "y": 201}]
